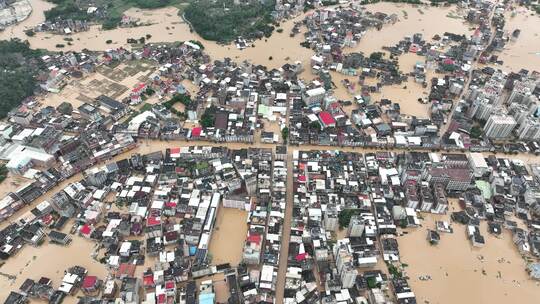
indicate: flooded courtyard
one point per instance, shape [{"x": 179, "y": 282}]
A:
[{"x": 228, "y": 237}]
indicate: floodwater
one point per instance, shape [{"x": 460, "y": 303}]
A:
[
  {"x": 412, "y": 19},
  {"x": 408, "y": 93},
  {"x": 221, "y": 288},
  {"x": 461, "y": 273},
  {"x": 37, "y": 16},
  {"x": 453, "y": 254},
  {"x": 43, "y": 262},
  {"x": 12, "y": 183},
  {"x": 165, "y": 25},
  {"x": 524, "y": 51},
  {"x": 46, "y": 196},
  {"x": 228, "y": 238}
]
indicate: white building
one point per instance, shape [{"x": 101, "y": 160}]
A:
[
  {"x": 314, "y": 96},
  {"x": 356, "y": 227},
  {"x": 529, "y": 129},
  {"x": 478, "y": 164},
  {"x": 499, "y": 126}
]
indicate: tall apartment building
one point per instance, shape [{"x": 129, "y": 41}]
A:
[
  {"x": 499, "y": 126},
  {"x": 486, "y": 101},
  {"x": 523, "y": 92},
  {"x": 529, "y": 129},
  {"x": 521, "y": 112},
  {"x": 345, "y": 264},
  {"x": 356, "y": 226}
]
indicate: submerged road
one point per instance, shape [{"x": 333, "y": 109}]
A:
[{"x": 286, "y": 236}]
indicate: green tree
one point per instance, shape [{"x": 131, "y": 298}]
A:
[
  {"x": 285, "y": 134},
  {"x": 18, "y": 67},
  {"x": 65, "y": 108},
  {"x": 476, "y": 132},
  {"x": 3, "y": 172},
  {"x": 344, "y": 217},
  {"x": 376, "y": 56},
  {"x": 207, "y": 120},
  {"x": 252, "y": 20}
]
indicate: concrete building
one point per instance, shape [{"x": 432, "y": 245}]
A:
[
  {"x": 331, "y": 219},
  {"x": 478, "y": 164},
  {"x": 499, "y": 126},
  {"x": 529, "y": 129},
  {"x": 356, "y": 227},
  {"x": 345, "y": 263},
  {"x": 314, "y": 97}
]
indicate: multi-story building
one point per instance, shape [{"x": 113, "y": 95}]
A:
[
  {"x": 356, "y": 227},
  {"x": 345, "y": 264},
  {"x": 529, "y": 129},
  {"x": 499, "y": 126}
]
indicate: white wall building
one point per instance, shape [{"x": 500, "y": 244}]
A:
[{"x": 499, "y": 126}]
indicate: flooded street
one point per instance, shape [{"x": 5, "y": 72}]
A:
[
  {"x": 453, "y": 255},
  {"x": 37, "y": 16},
  {"x": 13, "y": 183}
]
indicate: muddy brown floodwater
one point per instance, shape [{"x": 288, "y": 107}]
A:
[
  {"x": 228, "y": 237},
  {"x": 524, "y": 51},
  {"x": 49, "y": 261},
  {"x": 461, "y": 273}
]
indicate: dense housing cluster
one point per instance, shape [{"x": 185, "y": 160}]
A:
[
  {"x": 318, "y": 223},
  {"x": 157, "y": 211}
]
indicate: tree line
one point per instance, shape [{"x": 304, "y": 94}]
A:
[{"x": 19, "y": 65}]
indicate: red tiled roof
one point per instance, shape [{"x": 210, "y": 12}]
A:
[
  {"x": 196, "y": 132},
  {"x": 86, "y": 229},
  {"x": 254, "y": 238},
  {"x": 153, "y": 221},
  {"x": 148, "y": 280},
  {"x": 169, "y": 285},
  {"x": 126, "y": 270},
  {"x": 139, "y": 88},
  {"x": 327, "y": 118},
  {"x": 301, "y": 257},
  {"x": 89, "y": 282},
  {"x": 448, "y": 61},
  {"x": 170, "y": 204}
]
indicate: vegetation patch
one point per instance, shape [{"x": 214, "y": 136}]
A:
[
  {"x": 18, "y": 67},
  {"x": 223, "y": 21},
  {"x": 110, "y": 11},
  {"x": 3, "y": 172},
  {"x": 344, "y": 217},
  {"x": 177, "y": 98}
]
